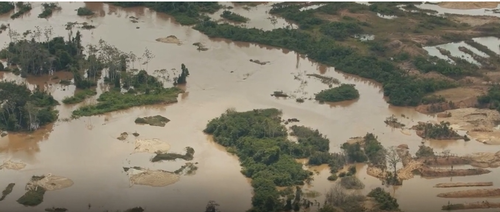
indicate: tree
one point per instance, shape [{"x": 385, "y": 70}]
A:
[
  {"x": 148, "y": 55},
  {"x": 181, "y": 80},
  {"x": 393, "y": 159}
]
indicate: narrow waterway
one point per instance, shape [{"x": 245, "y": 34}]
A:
[{"x": 87, "y": 151}]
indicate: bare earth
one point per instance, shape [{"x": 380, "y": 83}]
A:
[
  {"x": 51, "y": 183},
  {"x": 12, "y": 165},
  {"x": 471, "y": 193},
  {"x": 154, "y": 178},
  {"x": 479, "y": 123},
  {"x": 151, "y": 146},
  {"x": 468, "y": 5}
]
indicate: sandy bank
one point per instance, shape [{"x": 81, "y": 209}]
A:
[
  {"x": 151, "y": 146},
  {"x": 468, "y": 5},
  {"x": 485, "y": 159},
  {"x": 461, "y": 184},
  {"x": 480, "y": 124},
  {"x": 169, "y": 39},
  {"x": 49, "y": 182},
  {"x": 12, "y": 165},
  {"x": 493, "y": 192},
  {"x": 154, "y": 178}
]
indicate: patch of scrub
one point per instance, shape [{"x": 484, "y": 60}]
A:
[
  {"x": 158, "y": 121},
  {"x": 173, "y": 156},
  {"x": 12, "y": 165},
  {"x": 491, "y": 42},
  {"x": 169, "y": 39},
  {"x": 151, "y": 146},
  {"x": 153, "y": 178}
]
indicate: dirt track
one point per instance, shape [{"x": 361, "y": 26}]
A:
[
  {"x": 471, "y": 193},
  {"x": 461, "y": 184}
]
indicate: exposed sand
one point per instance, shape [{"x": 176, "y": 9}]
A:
[
  {"x": 462, "y": 184},
  {"x": 12, "y": 165},
  {"x": 169, "y": 39},
  {"x": 151, "y": 146},
  {"x": 468, "y": 5},
  {"x": 480, "y": 124},
  {"x": 485, "y": 159},
  {"x": 50, "y": 183},
  {"x": 494, "y": 192},
  {"x": 154, "y": 178},
  {"x": 474, "y": 205}
]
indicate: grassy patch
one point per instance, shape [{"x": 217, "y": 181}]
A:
[
  {"x": 157, "y": 120},
  {"x": 173, "y": 156},
  {"x": 48, "y": 9},
  {"x": 32, "y": 197},
  {"x": 337, "y": 94},
  {"x": 83, "y": 11}
]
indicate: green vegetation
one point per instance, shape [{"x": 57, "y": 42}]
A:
[
  {"x": 22, "y": 8},
  {"x": 7, "y": 191},
  {"x": 145, "y": 90},
  {"x": 6, "y": 7},
  {"x": 22, "y": 109},
  {"x": 233, "y": 17},
  {"x": 54, "y": 209},
  {"x": 186, "y": 13},
  {"x": 32, "y": 197},
  {"x": 39, "y": 58},
  {"x": 181, "y": 79},
  {"x": 369, "y": 149},
  {"x": 83, "y": 11},
  {"x": 337, "y": 94},
  {"x": 157, "y": 120},
  {"x": 384, "y": 199},
  {"x": 173, "y": 156},
  {"x": 491, "y": 99},
  {"x": 441, "y": 131},
  {"x": 48, "y": 8},
  {"x": 79, "y": 96}
]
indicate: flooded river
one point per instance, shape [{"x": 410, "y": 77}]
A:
[{"x": 87, "y": 151}]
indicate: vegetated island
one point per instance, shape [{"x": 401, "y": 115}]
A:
[
  {"x": 22, "y": 8},
  {"x": 341, "y": 93},
  {"x": 441, "y": 131},
  {"x": 157, "y": 120},
  {"x": 231, "y": 16},
  {"x": 83, "y": 11},
  {"x": 48, "y": 9},
  {"x": 268, "y": 157},
  {"x": 6, "y": 7}
]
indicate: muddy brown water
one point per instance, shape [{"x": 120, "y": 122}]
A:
[{"x": 87, "y": 151}]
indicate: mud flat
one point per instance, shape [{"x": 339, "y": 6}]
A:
[
  {"x": 430, "y": 172},
  {"x": 169, "y": 39},
  {"x": 473, "y": 205},
  {"x": 479, "y": 123},
  {"x": 468, "y": 5},
  {"x": 153, "y": 178},
  {"x": 493, "y": 192},
  {"x": 151, "y": 146},
  {"x": 485, "y": 159},
  {"x": 49, "y": 182},
  {"x": 12, "y": 165},
  {"x": 462, "y": 184}
]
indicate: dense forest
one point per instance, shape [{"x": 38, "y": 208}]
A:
[{"x": 260, "y": 141}]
